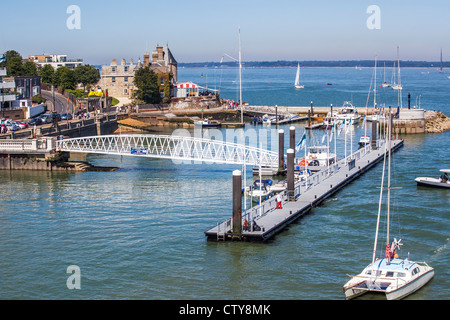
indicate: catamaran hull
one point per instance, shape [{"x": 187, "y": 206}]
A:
[
  {"x": 411, "y": 287},
  {"x": 354, "y": 291}
]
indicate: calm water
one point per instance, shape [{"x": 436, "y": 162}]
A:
[{"x": 138, "y": 233}]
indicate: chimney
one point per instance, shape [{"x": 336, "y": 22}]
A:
[
  {"x": 114, "y": 62},
  {"x": 146, "y": 59},
  {"x": 123, "y": 62},
  {"x": 131, "y": 61}
]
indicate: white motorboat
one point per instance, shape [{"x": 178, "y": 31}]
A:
[
  {"x": 364, "y": 141},
  {"x": 260, "y": 188},
  {"x": 297, "y": 79},
  {"x": 266, "y": 119},
  {"x": 208, "y": 123},
  {"x": 390, "y": 275},
  {"x": 317, "y": 158},
  {"x": 266, "y": 170},
  {"x": 442, "y": 182},
  {"x": 348, "y": 112},
  {"x": 279, "y": 186}
]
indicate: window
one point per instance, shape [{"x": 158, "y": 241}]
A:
[
  {"x": 113, "y": 79},
  {"x": 389, "y": 274},
  {"x": 125, "y": 79},
  {"x": 125, "y": 68},
  {"x": 401, "y": 274},
  {"x": 113, "y": 69}
]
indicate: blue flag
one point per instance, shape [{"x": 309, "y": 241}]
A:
[
  {"x": 301, "y": 144},
  {"x": 2, "y": 59}
]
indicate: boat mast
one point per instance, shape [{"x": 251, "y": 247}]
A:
[
  {"x": 240, "y": 78},
  {"x": 389, "y": 180}
]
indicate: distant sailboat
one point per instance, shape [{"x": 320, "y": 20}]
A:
[
  {"x": 398, "y": 86},
  {"x": 385, "y": 84},
  {"x": 441, "y": 70},
  {"x": 297, "y": 79}
]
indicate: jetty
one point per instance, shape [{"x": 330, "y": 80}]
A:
[{"x": 262, "y": 222}]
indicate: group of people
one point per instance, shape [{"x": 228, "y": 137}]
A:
[{"x": 444, "y": 178}]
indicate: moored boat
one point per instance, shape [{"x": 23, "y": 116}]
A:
[
  {"x": 441, "y": 182},
  {"x": 348, "y": 112},
  {"x": 394, "y": 277},
  {"x": 208, "y": 123}
]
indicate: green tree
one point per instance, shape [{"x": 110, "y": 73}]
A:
[
  {"x": 13, "y": 64},
  {"x": 47, "y": 73},
  {"x": 148, "y": 87},
  {"x": 29, "y": 69},
  {"x": 86, "y": 75},
  {"x": 65, "y": 78}
]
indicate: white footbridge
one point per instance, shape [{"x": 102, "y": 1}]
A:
[{"x": 182, "y": 148}]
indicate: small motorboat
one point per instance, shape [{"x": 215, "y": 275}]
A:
[
  {"x": 260, "y": 188},
  {"x": 441, "y": 182},
  {"x": 206, "y": 123},
  {"x": 279, "y": 186},
  {"x": 364, "y": 141}
]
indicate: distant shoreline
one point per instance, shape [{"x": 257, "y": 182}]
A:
[
  {"x": 188, "y": 67},
  {"x": 355, "y": 64}
]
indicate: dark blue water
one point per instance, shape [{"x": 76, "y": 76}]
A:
[{"x": 138, "y": 232}]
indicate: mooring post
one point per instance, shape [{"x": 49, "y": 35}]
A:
[
  {"x": 374, "y": 134},
  {"x": 280, "y": 150},
  {"x": 292, "y": 137},
  {"x": 237, "y": 202},
  {"x": 290, "y": 175}
]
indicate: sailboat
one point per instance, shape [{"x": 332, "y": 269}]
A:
[
  {"x": 391, "y": 275},
  {"x": 385, "y": 84},
  {"x": 398, "y": 86},
  {"x": 297, "y": 79},
  {"x": 441, "y": 69}
]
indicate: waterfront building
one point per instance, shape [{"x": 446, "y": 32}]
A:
[
  {"x": 55, "y": 60},
  {"x": 118, "y": 79},
  {"x": 7, "y": 91}
]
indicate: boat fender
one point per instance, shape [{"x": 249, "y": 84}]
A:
[{"x": 310, "y": 156}]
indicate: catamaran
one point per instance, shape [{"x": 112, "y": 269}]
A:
[
  {"x": 297, "y": 79},
  {"x": 391, "y": 275}
]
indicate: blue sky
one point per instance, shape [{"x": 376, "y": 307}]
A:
[{"x": 203, "y": 30}]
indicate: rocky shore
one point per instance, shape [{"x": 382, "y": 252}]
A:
[{"x": 436, "y": 122}]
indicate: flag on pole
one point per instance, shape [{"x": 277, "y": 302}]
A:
[
  {"x": 347, "y": 125},
  {"x": 301, "y": 144},
  {"x": 2, "y": 59},
  {"x": 341, "y": 127}
]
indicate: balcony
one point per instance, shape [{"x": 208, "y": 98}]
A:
[
  {"x": 8, "y": 97},
  {"x": 7, "y": 85},
  {"x": 2, "y": 72}
]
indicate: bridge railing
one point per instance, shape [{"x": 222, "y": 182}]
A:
[{"x": 171, "y": 147}]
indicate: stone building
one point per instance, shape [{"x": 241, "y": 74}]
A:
[{"x": 118, "y": 79}]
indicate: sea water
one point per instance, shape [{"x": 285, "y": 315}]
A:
[{"x": 138, "y": 232}]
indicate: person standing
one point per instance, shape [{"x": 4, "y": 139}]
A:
[{"x": 279, "y": 202}]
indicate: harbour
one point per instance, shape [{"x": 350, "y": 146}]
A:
[
  {"x": 300, "y": 200},
  {"x": 144, "y": 238}
]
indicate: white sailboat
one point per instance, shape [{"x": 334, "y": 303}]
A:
[
  {"x": 395, "y": 277},
  {"x": 398, "y": 86},
  {"x": 385, "y": 84},
  {"x": 297, "y": 79}
]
